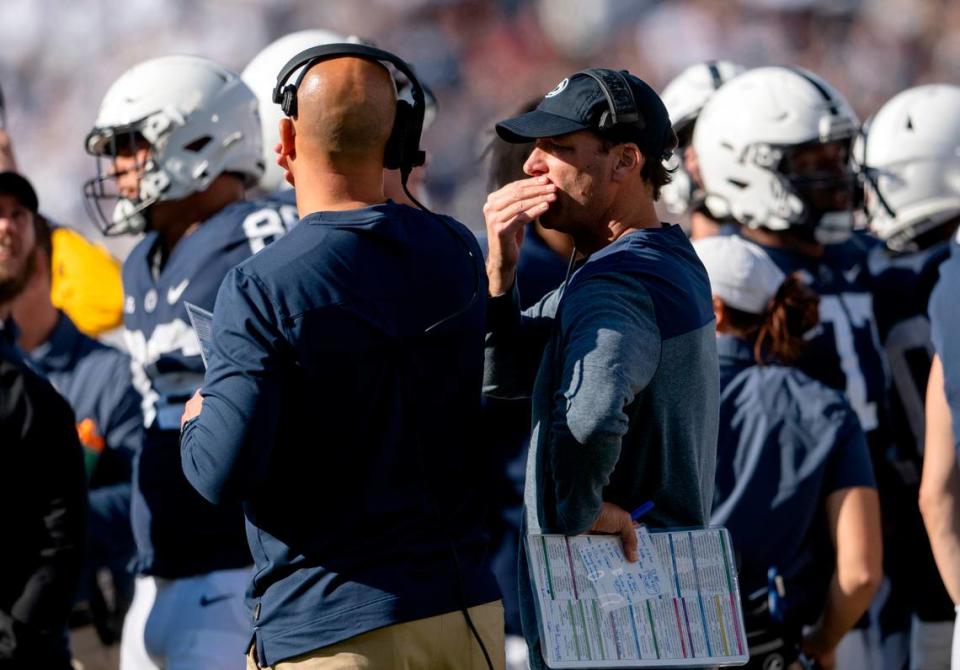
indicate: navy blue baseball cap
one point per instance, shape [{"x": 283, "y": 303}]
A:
[{"x": 615, "y": 104}]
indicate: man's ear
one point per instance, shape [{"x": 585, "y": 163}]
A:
[
  {"x": 720, "y": 313},
  {"x": 288, "y": 135},
  {"x": 629, "y": 161}
]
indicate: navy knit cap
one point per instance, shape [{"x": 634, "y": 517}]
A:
[{"x": 624, "y": 108}]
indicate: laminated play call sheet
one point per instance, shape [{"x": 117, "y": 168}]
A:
[
  {"x": 202, "y": 322},
  {"x": 679, "y": 605}
]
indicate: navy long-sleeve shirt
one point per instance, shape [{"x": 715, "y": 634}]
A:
[
  {"x": 348, "y": 433},
  {"x": 621, "y": 366}
]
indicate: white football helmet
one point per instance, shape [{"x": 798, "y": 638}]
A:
[
  {"x": 261, "y": 76},
  {"x": 909, "y": 157},
  {"x": 684, "y": 97},
  {"x": 747, "y": 137},
  {"x": 200, "y": 121}
]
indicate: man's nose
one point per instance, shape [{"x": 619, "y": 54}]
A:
[
  {"x": 128, "y": 184},
  {"x": 535, "y": 165}
]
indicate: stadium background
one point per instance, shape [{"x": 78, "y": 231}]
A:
[{"x": 481, "y": 57}]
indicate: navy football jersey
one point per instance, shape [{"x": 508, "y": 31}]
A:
[
  {"x": 178, "y": 533},
  {"x": 845, "y": 354},
  {"x": 902, "y": 284},
  {"x": 902, "y": 287}
]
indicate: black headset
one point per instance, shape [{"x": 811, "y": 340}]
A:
[
  {"x": 620, "y": 100},
  {"x": 622, "y": 106},
  {"x": 403, "y": 148}
]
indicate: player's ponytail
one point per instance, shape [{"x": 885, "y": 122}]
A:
[{"x": 792, "y": 313}]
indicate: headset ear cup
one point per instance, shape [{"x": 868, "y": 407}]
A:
[
  {"x": 395, "y": 154},
  {"x": 289, "y": 102}
]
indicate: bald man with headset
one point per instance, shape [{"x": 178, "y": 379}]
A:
[{"x": 342, "y": 396}]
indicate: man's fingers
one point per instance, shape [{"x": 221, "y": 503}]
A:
[
  {"x": 519, "y": 190},
  {"x": 192, "y": 408},
  {"x": 629, "y": 537},
  {"x": 531, "y": 202},
  {"x": 525, "y": 193},
  {"x": 503, "y": 223},
  {"x": 539, "y": 208},
  {"x": 522, "y": 218},
  {"x": 528, "y": 206}
]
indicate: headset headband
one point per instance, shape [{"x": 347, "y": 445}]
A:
[
  {"x": 620, "y": 100},
  {"x": 285, "y": 94},
  {"x": 314, "y": 55}
]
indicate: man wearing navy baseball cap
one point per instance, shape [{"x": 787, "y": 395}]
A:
[{"x": 621, "y": 360}]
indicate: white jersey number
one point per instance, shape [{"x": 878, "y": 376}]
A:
[
  {"x": 266, "y": 225},
  {"x": 163, "y": 395},
  {"x": 846, "y": 312},
  {"x": 909, "y": 350}
]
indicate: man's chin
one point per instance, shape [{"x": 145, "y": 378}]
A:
[{"x": 551, "y": 222}]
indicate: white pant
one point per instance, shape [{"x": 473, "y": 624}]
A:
[
  {"x": 955, "y": 652},
  {"x": 194, "y": 623},
  {"x": 859, "y": 650},
  {"x": 930, "y": 645}
]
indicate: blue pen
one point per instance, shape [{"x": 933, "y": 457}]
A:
[{"x": 640, "y": 511}]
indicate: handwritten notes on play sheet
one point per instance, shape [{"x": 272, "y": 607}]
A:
[{"x": 678, "y": 606}]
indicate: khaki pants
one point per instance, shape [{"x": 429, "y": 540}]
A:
[{"x": 435, "y": 643}]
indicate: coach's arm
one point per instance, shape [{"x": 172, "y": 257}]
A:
[
  {"x": 225, "y": 447},
  {"x": 612, "y": 349}
]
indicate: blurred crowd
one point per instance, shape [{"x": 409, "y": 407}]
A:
[{"x": 481, "y": 58}]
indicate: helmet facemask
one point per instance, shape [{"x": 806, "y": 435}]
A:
[
  {"x": 882, "y": 214},
  {"x": 808, "y": 188},
  {"x": 113, "y": 213},
  {"x": 822, "y": 177}
]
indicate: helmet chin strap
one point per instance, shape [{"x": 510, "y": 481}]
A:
[{"x": 129, "y": 217}]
